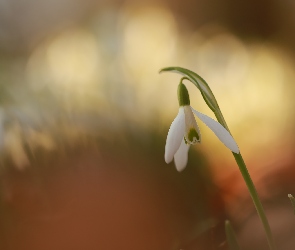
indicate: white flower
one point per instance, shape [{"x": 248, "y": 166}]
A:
[{"x": 184, "y": 131}]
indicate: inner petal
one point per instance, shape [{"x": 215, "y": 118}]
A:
[
  {"x": 192, "y": 131},
  {"x": 193, "y": 135}
]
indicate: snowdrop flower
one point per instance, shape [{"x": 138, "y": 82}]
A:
[{"x": 184, "y": 131}]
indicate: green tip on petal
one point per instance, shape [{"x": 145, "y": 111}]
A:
[
  {"x": 183, "y": 96},
  {"x": 193, "y": 136}
]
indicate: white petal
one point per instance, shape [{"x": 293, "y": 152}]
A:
[
  {"x": 223, "y": 135},
  {"x": 175, "y": 136},
  {"x": 181, "y": 156}
]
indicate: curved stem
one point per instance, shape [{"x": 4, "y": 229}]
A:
[{"x": 250, "y": 186}]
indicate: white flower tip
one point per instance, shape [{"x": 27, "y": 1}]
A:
[
  {"x": 223, "y": 135},
  {"x": 235, "y": 149},
  {"x": 230, "y": 142},
  {"x": 181, "y": 156},
  {"x": 168, "y": 158},
  {"x": 180, "y": 167},
  {"x": 226, "y": 138}
]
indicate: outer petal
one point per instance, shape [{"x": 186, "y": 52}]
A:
[
  {"x": 175, "y": 136},
  {"x": 223, "y": 135},
  {"x": 181, "y": 156}
]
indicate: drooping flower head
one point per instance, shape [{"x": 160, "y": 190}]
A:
[{"x": 184, "y": 131}]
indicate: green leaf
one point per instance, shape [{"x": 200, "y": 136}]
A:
[
  {"x": 199, "y": 82},
  {"x": 231, "y": 237}
]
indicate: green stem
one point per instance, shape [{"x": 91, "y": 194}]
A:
[
  {"x": 251, "y": 187},
  {"x": 255, "y": 198}
]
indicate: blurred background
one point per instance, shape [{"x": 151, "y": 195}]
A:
[{"x": 84, "y": 116}]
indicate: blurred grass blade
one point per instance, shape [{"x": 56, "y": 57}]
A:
[
  {"x": 199, "y": 82},
  {"x": 231, "y": 237},
  {"x": 292, "y": 199}
]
